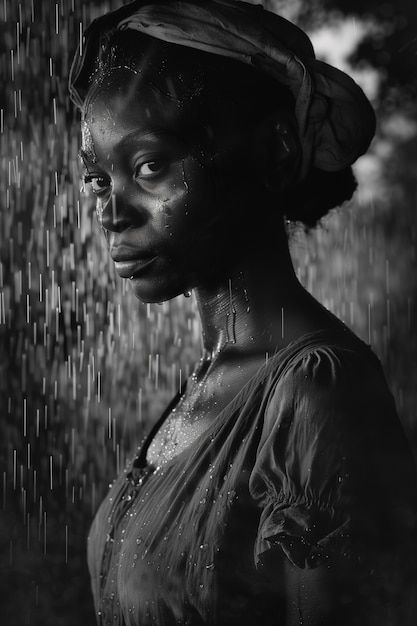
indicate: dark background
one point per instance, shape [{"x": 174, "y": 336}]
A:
[{"x": 84, "y": 367}]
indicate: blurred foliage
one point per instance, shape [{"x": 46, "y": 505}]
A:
[
  {"x": 389, "y": 46},
  {"x": 392, "y": 47},
  {"x": 85, "y": 368}
]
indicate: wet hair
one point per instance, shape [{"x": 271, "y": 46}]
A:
[{"x": 200, "y": 82}]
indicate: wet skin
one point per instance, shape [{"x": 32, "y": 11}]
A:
[
  {"x": 190, "y": 198},
  {"x": 168, "y": 191},
  {"x": 195, "y": 201}
]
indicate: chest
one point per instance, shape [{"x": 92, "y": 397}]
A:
[
  {"x": 202, "y": 402},
  {"x": 178, "y": 534}
]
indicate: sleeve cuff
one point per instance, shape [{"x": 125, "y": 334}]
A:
[{"x": 308, "y": 534}]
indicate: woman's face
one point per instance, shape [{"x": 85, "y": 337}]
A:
[{"x": 176, "y": 194}]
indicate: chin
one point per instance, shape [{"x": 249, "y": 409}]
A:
[{"x": 155, "y": 293}]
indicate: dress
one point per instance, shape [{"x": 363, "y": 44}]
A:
[{"x": 309, "y": 459}]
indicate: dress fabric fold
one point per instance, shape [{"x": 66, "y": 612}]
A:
[{"x": 307, "y": 463}]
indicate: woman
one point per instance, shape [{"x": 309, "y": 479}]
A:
[{"x": 277, "y": 488}]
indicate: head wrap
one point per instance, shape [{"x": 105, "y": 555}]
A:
[{"x": 335, "y": 120}]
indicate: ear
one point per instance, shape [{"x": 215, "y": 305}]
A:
[{"x": 280, "y": 151}]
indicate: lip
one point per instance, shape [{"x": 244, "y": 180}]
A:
[
  {"x": 132, "y": 267},
  {"x": 124, "y": 252}
]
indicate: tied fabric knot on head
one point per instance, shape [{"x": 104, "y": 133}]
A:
[{"x": 335, "y": 120}]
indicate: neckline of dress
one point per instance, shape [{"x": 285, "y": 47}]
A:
[{"x": 308, "y": 339}]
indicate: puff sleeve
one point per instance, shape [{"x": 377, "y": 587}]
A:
[{"x": 333, "y": 473}]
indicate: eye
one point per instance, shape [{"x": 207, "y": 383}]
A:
[
  {"x": 150, "y": 169},
  {"x": 99, "y": 184}
]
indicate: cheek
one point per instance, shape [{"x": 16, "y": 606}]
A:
[
  {"x": 172, "y": 200},
  {"x": 175, "y": 190},
  {"x": 199, "y": 223},
  {"x": 203, "y": 183}
]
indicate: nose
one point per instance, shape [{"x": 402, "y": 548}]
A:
[{"x": 120, "y": 213}]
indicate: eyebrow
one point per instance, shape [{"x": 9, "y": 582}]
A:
[{"x": 151, "y": 135}]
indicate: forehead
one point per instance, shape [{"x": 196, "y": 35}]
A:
[
  {"x": 124, "y": 94},
  {"x": 123, "y": 101}
]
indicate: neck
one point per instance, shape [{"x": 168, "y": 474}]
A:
[{"x": 253, "y": 307}]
